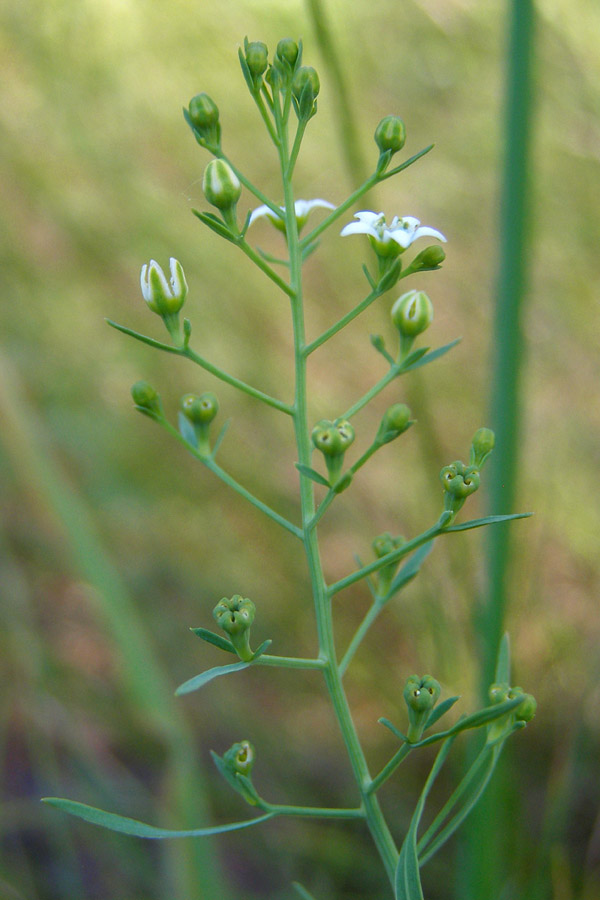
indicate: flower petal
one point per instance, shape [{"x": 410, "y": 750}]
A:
[
  {"x": 303, "y": 207},
  {"x": 425, "y": 231},
  {"x": 262, "y": 211},
  {"x": 357, "y": 228}
]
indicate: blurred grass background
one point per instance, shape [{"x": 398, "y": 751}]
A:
[{"x": 113, "y": 542}]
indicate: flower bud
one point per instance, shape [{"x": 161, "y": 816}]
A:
[
  {"x": 382, "y": 545},
  {"x": 481, "y": 446},
  {"x": 412, "y": 313},
  {"x": 395, "y": 421},
  {"x": 460, "y": 480},
  {"x": 526, "y": 711},
  {"x": 165, "y": 298},
  {"x": 287, "y": 52},
  {"x": 498, "y": 692},
  {"x": 420, "y": 695},
  {"x": 200, "y": 410},
  {"x": 146, "y": 398},
  {"x": 239, "y": 759},
  {"x": 257, "y": 58},
  {"x": 390, "y": 134},
  {"x": 235, "y": 616},
  {"x": 221, "y": 185},
  {"x": 203, "y": 115},
  {"x": 428, "y": 259},
  {"x": 305, "y": 88}
]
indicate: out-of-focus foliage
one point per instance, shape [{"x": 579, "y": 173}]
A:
[{"x": 100, "y": 173}]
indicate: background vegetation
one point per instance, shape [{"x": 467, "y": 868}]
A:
[{"x": 113, "y": 542}]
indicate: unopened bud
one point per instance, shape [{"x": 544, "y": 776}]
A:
[
  {"x": 200, "y": 410},
  {"x": 396, "y": 420},
  {"x": 235, "y": 616},
  {"x": 257, "y": 57},
  {"x": 333, "y": 439},
  {"x": 203, "y": 115},
  {"x": 481, "y": 446},
  {"x": 412, "y": 313},
  {"x": 390, "y": 134},
  {"x": 221, "y": 185},
  {"x": 287, "y": 52},
  {"x": 145, "y": 397},
  {"x": 239, "y": 759},
  {"x": 429, "y": 258},
  {"x": 420, "y": 695}
]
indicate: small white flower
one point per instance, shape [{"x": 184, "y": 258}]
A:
[
  {"x": 162, "y": 296},
  {"x": 302, "y": 209},
  {"x": 403, "y": 231}
]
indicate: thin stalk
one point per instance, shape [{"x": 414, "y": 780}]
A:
[
  {"x": 216, "y": 469},
  {"x": 323, "y": 507},
  {"x": 377, "y": 564},
  {"x": 260, "y": 103},
  {"x": 289, "y": 662},
  {"x": 263, "y": 265},
  {"x": 390, "y": 767},
  {"x": 393, "y": 372},
  {"x": 361, "y": 631},
  {"x": 314, "y": 812},
  {"x": 375, "y": 820},
  {"x": 345, "y": 320},
  {"x": 236, "y": 382},
  {"x": 248, "y": 184}
]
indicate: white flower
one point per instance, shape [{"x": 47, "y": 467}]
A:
[
  {"x": 403, "y": 231},
  {"x": 302, "y": 209},
  {"x": 162, "y": 296}
]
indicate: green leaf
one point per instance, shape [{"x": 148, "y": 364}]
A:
[
  {"x": 368, "y": 276},
  {"x": 503, "y": 660},
  {"x": 440, "y": 710},
  {"x": 200, "y": 680},
  {"x": 211, "y": 638},
  {"x": 431, "y": 356},
  {"x": 186, "y": 430},
  {"x": 140, "y": 829},
  {"x": 413, "y": 358},
  {"x": 312, "y": 474},
  {"x": 394, "y": 730},
  {"x": 476, "y": 720},
  {"x": 302, "y": 891},
  {"x": 308, "y": 250},
  {"x": 390, "y": 278},
  {"x": 264, "y": 646},
  {"x": 215, "y": 224},
  {"x": 142, "y": 337},
  {"x": 487, "y": 520},
  {"x": 410, "y": 568},
  {"x": 408, "y": 880},
  {"x": 220, "y": 437}
]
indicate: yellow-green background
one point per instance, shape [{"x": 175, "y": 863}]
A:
[{"x": 113, "y": 541}]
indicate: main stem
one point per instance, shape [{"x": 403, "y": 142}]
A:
[{"x": 375, "y": 820}]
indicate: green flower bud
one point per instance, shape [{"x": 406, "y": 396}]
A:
[
  {"x": 165, "y": 297},
  {"x": 203, "y": 115},
  {"x": 481, "y": 446},
  {"x": 498, "y": 692},
  {"x": 428, "y": 259},
  {"x": 287, "y": 52},
  {"x": 305, "y": 88},
  {"x": 394, "y": 423},
  {"x": 221, "y": 185},
  {"x": 333, "y": 439},
  {"x": 200, "y": 410},
  {"x": 412, "y": 313},
  {"x": 382, "y": 545},
  {"x": 390, "y": 134},
  {"x": 420, "y": 695},
  {"x": 526, "y": 711},
  {"x": 146, "y": 398},
  {"x": 239, "y": 759},
  {"x": 257, "y": 58},
  {"x": 235, "y": 616}
]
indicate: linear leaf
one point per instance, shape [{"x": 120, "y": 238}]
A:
[
  {"x": 431, "y": 356},
  {"x": 214, "y": 224},
  {"x": 410, "y": 568},
  {"x": 140, "y": 829},
  {"x": 503, "y": 660},
  {"x": 200, "y": 680},
  {"x": 440, "y": 710},
  {"x": 141, "y": 337},
  {"x": 186, "y": 430},
  {"x": 394, "y": 730},
  {"x": 487, "y": 520},
  {"x": 312, "y": 474},
  {"x": 211, "y": 638}
]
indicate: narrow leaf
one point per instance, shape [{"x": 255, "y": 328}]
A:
[
  {"x": 368, "y": 276},
  {"x": 487, "y": 520},
  {"x": 263, "y": 647},
  {"x": 394, "y": 730},
  {"x": 211, "y": 638},
  {"x": 312, "y": 474},
  {"x": 140, "y": 829},
  {"x": 413, "y": 358},
  {"x": 410, "y": 568},
  {"x": 186, "y": 430},
  {"x": 440, "y": 710},
  {"x": 503, "y": 660},
  {"x": 308, "y": 250},
  {"x": 200, "y": 680},
  {"x": 432, "y": 355},
  {"x": 214, "y": 224},
  {"x": 141, "y": 337},
  {"x": 408, "y": 880},
  {"x": 220, "y": 437}
]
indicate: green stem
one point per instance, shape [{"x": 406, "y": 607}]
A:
[
  {"x": 373, "y": 814},
  {"x": 394, "y": 371},
  {"x": 345, "y": 320},
  {"x": 236, "y": 382},
  {"x": 216, "y": 469},
  {"x": 392, "y": 557},
  {"x": 361, "y": 631},
  {"x": 263, "y": 265},
  {"x": 260, "y": 103},
  {"x": 323, "y": 507},
  {"x": 289, "y": 662},
  {"x": 251, "y": 187},
  {"x": 339, "y": 210},
  {"x": 390, "y": 767},
  {"x": 314, "y": 812}
]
